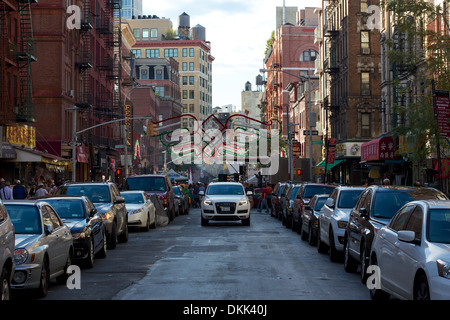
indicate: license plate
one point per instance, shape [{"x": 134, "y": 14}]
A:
[{"x": 225, "y": 208}]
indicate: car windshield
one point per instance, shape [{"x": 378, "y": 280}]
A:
[
  {"x": 439, "y": 226},
  {"x": 389, "y": 202},
  {"x": 223, "y": 189},
  {"x": 146, "y": 183},
  {"x": 68, "y": 208},
  {"x": 177, "y": 191},
  {"x": 95, "y": 193},
  {"x": 312, "y": 190},
  {"x": 133, "y": 197},
  {"x": 26, "y": 219},
  {"x": 348, "y": 198},
  {"x": 294, "y": 192},
  {"x": 319, "y": 203}
]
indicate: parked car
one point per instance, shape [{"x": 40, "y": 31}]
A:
[
  {"x": 225, "y": 201},
  {"x": 183, "y": 199},
  {"x": 304, "y": 195},
  {"x": 155, "y": 184},
  {"x": 333, "y": 219},
  {"x": 275, "y": 199},
  {"x": 109, "y": 203},
  {"x": 373, "y": 210},
  {"x": 281, "y": 200},
  {"x": 141, "y": 211},
  {"x": 413, "y": 254},
  {"x": 85, "y": 224},
  {"x": 287, "y": 206},
  {"x": 309, "y": 219},
  {"x": 43, "y": 248},
  {"x": 7, "y": 239}
]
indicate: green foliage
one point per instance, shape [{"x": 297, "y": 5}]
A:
[{"x": 270, "y": 42}]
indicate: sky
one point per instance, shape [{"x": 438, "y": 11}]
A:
[{"x": 238, "y": 31}]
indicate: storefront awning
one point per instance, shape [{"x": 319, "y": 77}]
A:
[
  {"x": 329, "y": 166},
  {"x": 379, "y": 149},
  {"x": 30, "y": 155}
]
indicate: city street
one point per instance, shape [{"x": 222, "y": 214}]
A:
[{"x": 223, "y": 261}]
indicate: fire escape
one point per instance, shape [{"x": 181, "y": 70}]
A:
[{"x": 26, "y": 54}]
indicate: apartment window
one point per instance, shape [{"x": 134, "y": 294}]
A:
[
  {"x": 154, "y": 33},
  {"x": 191, "y": 66},
  {"x": 364, "y": 5},
  {"x": 309, "y": 55},
  {"x": 184, "y": 52},
  {"x": 159, "y": 91},
  {"x": 191, "y": 94},
  {"x": 365, "y": 42},
  {"x": 184, "y": 67},
  {"x": 136, "y": 53},
  {"x": 170, "y": 53},
  {"x": 191, "y": 108},
  {"x": 152, "y": 53},
  {"x": 137, "y": 33},
  {"x": 144, "y": 73},
  {"x": 185, "y": 109},
  {"x": 191, "y": 52},
  {"x": 365, "y": 125},
  {"x": 365, "y": 83},
  {"x": 185, "y": 81},
  {"x": 145, "y": 33},
  {"x": 159, "y": 74},
  {"x": 191, "y": 80},
  {"x": 185, "y": 94}
]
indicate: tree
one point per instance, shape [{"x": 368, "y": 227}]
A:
[
  {"x": 418, "y": 53},
  {"x": 270, "y": 42}
]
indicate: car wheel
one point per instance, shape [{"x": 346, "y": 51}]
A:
[
  {"x": 421, "y": 288},
  {"x": 147, "y": 224},
  {"x": 350, "y": 265},
  {"x": 303, "y": 234},
  {"x": 5, "y": 289},
  {"x": 246, "y": 222},
  {"x": 311, "y": 237},
  {"x": 321, "y": 247},
  {"x": 89, "y": 261},
  {"x": 42, "y": 291},
  {"x": 335, "y": 255},
  {"x": 112, "y": 237},
  {"x": 102, "y": 252},
  {"x": 204, "y": 221},
  {"x": 124, "y": 235},
  {"x": 364, "y": 264},
  {"x": 377, "y": 294}
]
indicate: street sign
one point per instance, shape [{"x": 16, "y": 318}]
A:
[
  {"x": 118, "y": 146},
  {"x": 307, "y": 132}
]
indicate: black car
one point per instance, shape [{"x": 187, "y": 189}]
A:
[
  {"x": 183, "y": 199},
  {"x": 309, "y": 219},
  {"x": 281, "y": 199},
  {"x": 374, "y": 209},
  {"x": 85, "y": 224},
  {"x": 157, "y": 184},
  {"x": 287, "y": 204},
  {"x": 109, "y": 203}
]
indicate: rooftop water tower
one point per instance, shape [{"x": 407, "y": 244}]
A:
[{"x": 184, "y": 25}]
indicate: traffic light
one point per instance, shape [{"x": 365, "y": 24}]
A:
[
  {"x": 151, "y": 130},
  {"x": 299, "y": 172},
  {"x": 118, "y": 172}
]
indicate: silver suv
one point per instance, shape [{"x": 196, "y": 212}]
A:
[{"x": 7, "y": 244}]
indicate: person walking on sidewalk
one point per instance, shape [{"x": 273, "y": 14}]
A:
[{"x": 263, "y": 200}]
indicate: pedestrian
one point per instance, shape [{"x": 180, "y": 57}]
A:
[
  {"x": 6, "y": 191},
  {"x": 19, "y": 191},
  {"x": 32, "y": 190},
  {"x": 263, "y": 201},
  {"x": 41, "y": 191}
]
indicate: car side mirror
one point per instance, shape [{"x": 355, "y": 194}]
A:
[
  {"x": 119, "y": 200},
  {"x": 406, "y": 236},
  {"x": 330, "y": 203},
  {"x": 48, "y": 229},
  {"x": 201, "y": 193},
  {"x": 363, "y": 213}
]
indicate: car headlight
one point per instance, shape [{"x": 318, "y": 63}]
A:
[
  {"x": 106, "y": 216},
  {"x": 207, "y": 203},
  {"x": 243, "y": 202},
  {"x": 443, "y": 269},
  {"x": 342, "y": 224},
  {"x": 20, "y": 256}
]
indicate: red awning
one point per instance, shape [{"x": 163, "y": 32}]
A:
[{"x": 379, "y": 149}]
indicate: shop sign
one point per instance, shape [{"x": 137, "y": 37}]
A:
[{"x": 21, "y": 135}]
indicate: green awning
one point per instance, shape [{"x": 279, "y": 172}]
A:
[{"x": 329, "y": 166}]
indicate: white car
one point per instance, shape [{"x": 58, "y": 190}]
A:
[
  {"x": 413, "y": 253},
  {"x": 141, "y": 210},
  {"x": 7, "y": 266},
  {"x": 225, "y": 201},
  {"x": 43, "y": 248},
  {"x": 333, "y": 219}
]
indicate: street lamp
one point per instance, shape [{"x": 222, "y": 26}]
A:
[{"x": 308, "y": 80}]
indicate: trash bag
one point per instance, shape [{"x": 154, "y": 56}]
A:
[{"x": 161, "y": 216}]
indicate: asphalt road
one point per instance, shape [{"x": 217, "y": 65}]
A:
[{"x": 223, "y": 261}]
